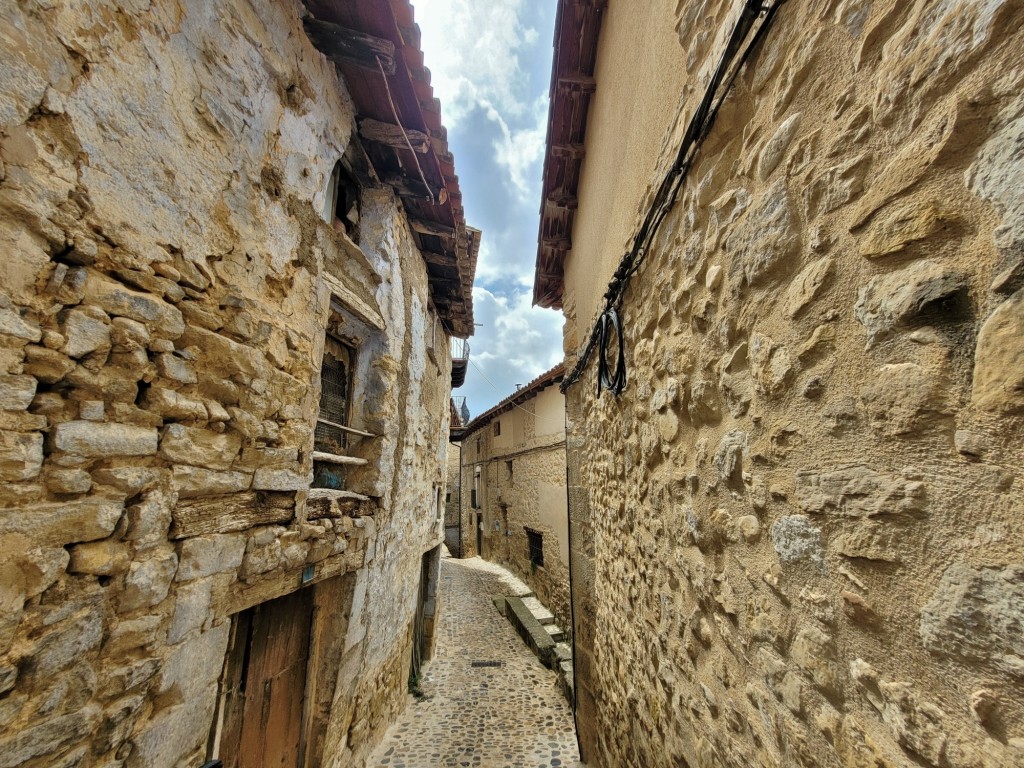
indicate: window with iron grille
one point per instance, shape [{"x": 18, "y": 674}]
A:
[
  {"x": 535, "y": 539},
  {"x": 335, "y": 393}
]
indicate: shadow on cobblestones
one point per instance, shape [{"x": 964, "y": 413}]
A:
[{"x": 486, "y": 716}]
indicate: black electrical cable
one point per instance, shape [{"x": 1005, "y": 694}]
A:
[
  {"x": 697, "y": 130},
  {"x": 616, "y": 382}
]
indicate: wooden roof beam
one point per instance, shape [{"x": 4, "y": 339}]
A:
[
  {"x": 567, "y": 201},
  {"x": 581, "y": 83},
  {"x": 348, "y": 46},
  {"x": 392, "y": 135},
  {"x": 571, "y": 151},
  {"x": 425, "y": 227}
]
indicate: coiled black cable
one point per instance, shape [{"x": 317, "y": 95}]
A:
[
  {"x": 697, "y": 130},
  {"x": 614, "y": 383}
]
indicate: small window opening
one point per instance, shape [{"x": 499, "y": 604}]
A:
[
  {"x": 535, "y": 540},
  {"x": 508, "y": 467},
  {"x": 497, "y": 428},
  {"x": 335, "y": 395},
  {"x": 343, "y": 202}
]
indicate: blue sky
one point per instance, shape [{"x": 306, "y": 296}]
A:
[{"x": 490, "y": 64}]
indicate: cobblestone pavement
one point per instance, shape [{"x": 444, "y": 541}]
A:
[{"x": 491, "y": 717}]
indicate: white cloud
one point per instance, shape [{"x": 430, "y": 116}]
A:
[
  {"x": 488, "y": 62},
  {"x": 473, "y": 52},
  {"x": 513, "y": 345}
]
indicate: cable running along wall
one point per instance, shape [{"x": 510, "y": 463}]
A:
[{"x": 745, "y": 37}]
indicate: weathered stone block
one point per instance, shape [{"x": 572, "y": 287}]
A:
[
  {"x": 977, "y": 615},
  {"x": 280, "y": 480},
  {"x": 87, "y": 438},
  {"x": 903, "y": 398},
  {"x": 100, "y": 558},
  {"x": 858, "y": 491},
  {"x": 48, "y": 737},
  {"x": 16, "y": 392},
  {"x": 14, "y": 325},
  {"x": 199, "y": 447},
  {"x": 206, "y": 555},
  {"x": 192, "y": 482},
  {"x": 999, "y": 359},
  {"x": 68, "y": 481},
  {"x": 894, "y": 300},
  {"x": 161, "y": 318},
  {"x": 21, "y": 455},
  {"x": 85, "y": 331},
  {"x": 147, "y": 582},
  {"x": 64, "y": 523},
  {"x": 191, "y": 608},
  {"x": 796, "y": 540},
  {"x": 173, "y": 405}
]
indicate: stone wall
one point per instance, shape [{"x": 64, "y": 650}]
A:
[
  {"x": 522, "y": 486},
  {"x": 452, "y": 499},
  {"x": 167, "y": 284},
  {"x": 808, "y": 498}
]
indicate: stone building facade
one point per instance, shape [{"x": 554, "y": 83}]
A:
[
  {"x": 225, "y": 379},
  {"x": 808, "y": 497},
  {"x": 514, "y": 509},
  {"x": 452, "y": 526}
]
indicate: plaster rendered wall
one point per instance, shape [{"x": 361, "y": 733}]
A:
[
  {"x": 165, "y": 292},
  {"x": 641, "y": 70},
  {"x": 531, "y": 496},
  {"x": 797, "y": 535}
]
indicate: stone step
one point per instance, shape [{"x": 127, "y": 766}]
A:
[
  {"x": 531, "y": 630},
  {"x": 556, "y": 632},
  {"x": 540, "y": 613}
]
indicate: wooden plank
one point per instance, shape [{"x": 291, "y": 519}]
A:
[
  {"x": 241, "y": 595},
  {"x": 349, "y": 46},
  {"x": 333, "y": 458},
  {"x": 391, "y": 135},
  {"x": 350, "y": 430},
  {"x": 426, "y": 227},
  {"x": 234, "y": 512}
]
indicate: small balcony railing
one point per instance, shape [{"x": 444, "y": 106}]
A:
[{"x": 460, "y": 362}]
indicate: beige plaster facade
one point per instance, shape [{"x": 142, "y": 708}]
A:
[
  {"x": 797, "y": 534},
  {"x": 513, "y": 483},
  {"x": 168, "y": 282}
]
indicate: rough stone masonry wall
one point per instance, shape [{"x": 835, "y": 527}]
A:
[
  {"x": 162, "y": 170},
  {"x": 509, "y": 505},
  {"x": 809, "y": 498}
]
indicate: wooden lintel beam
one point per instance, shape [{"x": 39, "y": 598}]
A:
[
  {"x": 425, "y": 227},
  {"x": 580, "y": 83},
  {"x": 393, "y": 135},
  {"x": 572, "y": 151},
  {"x": 348, "y": 46}
]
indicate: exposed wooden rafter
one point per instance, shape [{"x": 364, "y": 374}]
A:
[
  {"x": 393, "y": 135},
  {"x": 349, "y": 46}
]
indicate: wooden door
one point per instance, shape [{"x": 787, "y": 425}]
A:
[{"x": 267, "y": 683}]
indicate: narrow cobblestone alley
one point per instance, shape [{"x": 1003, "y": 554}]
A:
[{"x": 510, "y": 715}]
